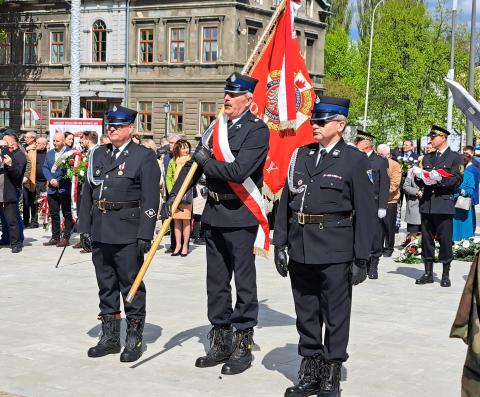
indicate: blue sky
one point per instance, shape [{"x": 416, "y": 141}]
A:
[{"x": 464, "y": 10}]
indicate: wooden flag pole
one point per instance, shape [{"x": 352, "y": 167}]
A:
[{"x": 188, "y": 179}]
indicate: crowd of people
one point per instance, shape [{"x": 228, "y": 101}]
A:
[{"x": 336, "y": 218}]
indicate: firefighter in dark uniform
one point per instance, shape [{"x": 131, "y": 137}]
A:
[
  {"x": 381, "y": 188},
  {"x": 118, "y": 213},
  {"x": 437, "y": 205},
  {"x": 324, "y": 221},
  {"x": 230, "y": 229}
]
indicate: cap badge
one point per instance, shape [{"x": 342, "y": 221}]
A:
[
  {"x": 114, "y": 108},
  {"x": 233, "y": 78}
]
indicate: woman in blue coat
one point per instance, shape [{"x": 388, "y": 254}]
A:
[{"x": 463, "y": 219}]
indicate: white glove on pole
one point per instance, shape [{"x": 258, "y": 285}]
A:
[{"x": 382, "y": 212}]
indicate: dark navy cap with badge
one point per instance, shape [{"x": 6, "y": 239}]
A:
[
  {"x": 238, "y": 83},
  {"x": 364, "y": 136},
  {"x": 438, "y": 131},
  {"x": 118, "y": 115},
  {"x": 328, "y": 107}
]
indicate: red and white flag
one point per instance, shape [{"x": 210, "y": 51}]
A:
[
  {"x": 283, "y": 97},
  {"x": 85, "y": 113},
  {"x": 36, "y": 115}
]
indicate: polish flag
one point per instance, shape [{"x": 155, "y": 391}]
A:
[
  {"x": 36, "y": 115},
  {"x": 85, "y": 113}
]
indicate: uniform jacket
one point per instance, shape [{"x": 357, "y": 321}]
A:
[
  {"x": 59, "y": 174},
  {"x": 438, "y": 198},
  {"x": 134, "y": 175},
  {"x": 248, "y": 139},
  {"x": 340, "y": 184},
  {"x": 13, "y": 176},
  {"x": 381, "y": 184}
]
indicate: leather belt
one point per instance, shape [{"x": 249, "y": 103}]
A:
[
  {"x": 320, "y": 219},
  {"x": 222, "y": 196},
  {"x": 104, "y": 205}
]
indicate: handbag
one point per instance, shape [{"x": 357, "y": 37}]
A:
[{"x": 463, "y": 203}]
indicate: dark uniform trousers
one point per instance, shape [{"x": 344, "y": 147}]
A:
[
  {"x": 377, "y": 242},
  {"x": 116, "y": 266},
  {"x": 440, "y": 226},
  {"x": 323, "y": 299},
  {"x": 388, "y": 228},
  {"x": 229, "y": 250}
]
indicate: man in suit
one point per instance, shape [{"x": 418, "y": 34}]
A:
[
  {"x": 324, "y": 219},
  {"x": 58, "y": 192},
  {"x": 437, "y": 205},
  {"x": 230, "y": 225},
  {"x": 12, "y": 168},
  {"x": 378, "y": 171},
  {"x": 118, "y": 213}
]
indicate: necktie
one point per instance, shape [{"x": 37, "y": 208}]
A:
[
  {"x": 229, "y": 123},
  {"x": 114, "y": 154},
  {"x": 321, "y": 155}
]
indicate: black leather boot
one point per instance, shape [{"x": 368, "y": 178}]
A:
[
  {"x": 221, "y": 347},
  {"x": 446, "y": 276},
  {"x": 309, "y": 378},
  {"x": 109, "y": 342},
  {"x": 427, "y": 277},
  {"x": 241, "y": 358},
  {"x": 372, "y": 271},
  {"x": 133, "y": 342},
  {"x": 330, "y": 384}
]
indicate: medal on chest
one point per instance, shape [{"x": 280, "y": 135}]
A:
[{"x": 121, "y": 168}]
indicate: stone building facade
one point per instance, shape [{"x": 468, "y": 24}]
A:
[{"x": 179, "y": 54}]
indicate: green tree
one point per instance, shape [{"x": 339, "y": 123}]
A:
[{"x": 341, "y": 15}]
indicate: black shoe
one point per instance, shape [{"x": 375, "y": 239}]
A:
[
  {"x": 16, "y": 249},
  {"x": 373, "y": 270},
  {"x": 109, "y": 342},
  {"x": 199, "y": 241},
  {"x": 169, "y": 250},
  {"x": 397, "y": 229},
  {"x": 427, "y": 277},
  {"x": 133, "y": 342},
  {"x": 241, "y": 358},
  {"x": 330, "y": 384},
  {"x": 309, "y": 378},
  {"x": 175, "y": 253},
  {"x": 387, "y": 254},
  {"x": 445, "y": 282},
  {"x": 221, "y": 347}
]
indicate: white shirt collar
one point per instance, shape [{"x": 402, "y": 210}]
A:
[
  {"x": 122, "y": 148},
  {"x": 239, "y": 117},
  {"x": 442, "y": 151},
  {"x": 328, "y": 148},
  {"x": 369, "y": 153}
]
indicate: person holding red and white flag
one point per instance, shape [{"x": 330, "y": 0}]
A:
[{"x": 232, "y": 155}]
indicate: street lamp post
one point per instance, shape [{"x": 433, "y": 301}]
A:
[
  {"x": 166, "y": 109},
  {"x": 471, "y": 72},
  {"x": 367, "y": 89},
  {"x": 451, "y": 72}
]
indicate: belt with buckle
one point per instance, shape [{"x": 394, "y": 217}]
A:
[
  {"x": 222, "y": 196},
  {"x": 104, "y": 205},
  {"x": 320, "y": 219}
]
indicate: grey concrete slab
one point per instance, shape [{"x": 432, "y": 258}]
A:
[{"x": 399, "y": 344}]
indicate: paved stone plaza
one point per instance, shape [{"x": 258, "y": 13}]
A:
[{"x": 399, "y": 344}]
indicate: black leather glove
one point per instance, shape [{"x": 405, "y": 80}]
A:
[
  {"x": 143, "y": 246},
  {"x": 358, "y": 271},
  {"x": 86, "y": 242},
  {"x": 202, "y": 156},
  {"x": 166, "y": 210},
  {"x": 281, "y": 260}
]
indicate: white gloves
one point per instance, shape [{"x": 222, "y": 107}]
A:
[
  {"x": 435, "y": 176},
  {"x": 417, "y": 171},
  {"x": 382, "y": 212}
]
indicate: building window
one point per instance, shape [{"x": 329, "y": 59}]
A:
[
  {"x": 177, "y": 45},
  {"x": 207, "y": 115},
  {"x": 144, "y": 116},
  {"x": 5, "y": 45},
  {"x": 96, "y": 107},
  {"x": 28, "y": 120},
  {"x": 210, "y": 44},
  {"x": 146, "y": 46},
  {"x": 30, "y": 53},
  {"x": 56, "y": 108},
  {"x": 176, "y": 117},
  {"x": 99, "y": 41},
  {"x": 57, "y": 48},
  {"x": 251, "y": 40},
  {"x": 309, "y": 53},
  {"x": 4, "y": 112},
  {"x": 309, "y": 8}
]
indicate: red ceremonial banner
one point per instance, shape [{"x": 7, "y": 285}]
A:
[{"x": 283, "y": 98}]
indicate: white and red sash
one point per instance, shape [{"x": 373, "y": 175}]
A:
[{"x": 247, "y": 191}]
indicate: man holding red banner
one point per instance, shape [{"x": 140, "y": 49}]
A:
[
  {"x": 325, "y": 219},
  {"x": 235, "y": 223}
]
